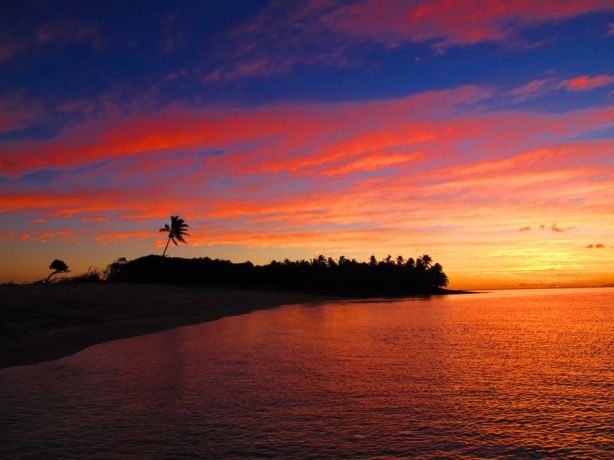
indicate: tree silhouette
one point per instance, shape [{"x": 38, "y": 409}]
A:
[
  {"x": 176, "y": 231},
  {"x": 58, "y": 266},
  {"x": 398, "y": 276}
]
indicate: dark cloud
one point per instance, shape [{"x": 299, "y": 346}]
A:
[
  {"x": 596, "y": 246},
  {"x": 524, "y": 229}
]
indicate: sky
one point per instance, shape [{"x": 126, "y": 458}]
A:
[{"x": 480, "y": 132}]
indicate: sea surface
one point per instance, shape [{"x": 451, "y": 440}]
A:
[{"x": 505, "y": 374}]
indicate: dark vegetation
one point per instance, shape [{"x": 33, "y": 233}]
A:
[
  {"x": 58, "y": 266},
  {"x": 319, "y": 275}
]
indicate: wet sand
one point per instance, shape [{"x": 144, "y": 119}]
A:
[{"x": 44, "y": 322}]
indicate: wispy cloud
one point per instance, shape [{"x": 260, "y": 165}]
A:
[
  {"x": 447, "y": 23},
  {"x": 57, "y": 33},
  {"x": 276, "y": 184},
  {"x": 42, "y": 236},
  {"x": 323, "y": 33},
  {"x": 556, "y": 228},
  {"x": 585, "y": 82},
  {"x": 533, "y": 89},
  {"x": 543, "y": 86}
]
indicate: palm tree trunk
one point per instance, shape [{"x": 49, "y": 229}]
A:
[
  {"x": 50, "y": 275},
  {"x": 166, "y": 247}
]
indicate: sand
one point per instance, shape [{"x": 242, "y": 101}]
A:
[{"x": 44, "y": 322}]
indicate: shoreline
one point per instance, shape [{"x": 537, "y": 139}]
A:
[
  {"x": 41, "y": 323},
  {"x": 46, "y": 322}
]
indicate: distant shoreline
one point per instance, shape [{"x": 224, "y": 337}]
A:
[{"x": 45, "y": 322}]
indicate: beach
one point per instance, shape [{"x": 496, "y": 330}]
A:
[{"x": 44, "y": 322}]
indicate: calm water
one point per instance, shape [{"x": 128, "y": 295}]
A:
[{"x": 503, "y": 374}]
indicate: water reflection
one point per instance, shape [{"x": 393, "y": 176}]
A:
[{"x": 514, "y": 373}]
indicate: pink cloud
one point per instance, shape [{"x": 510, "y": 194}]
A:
[
  {"x": 288, "y": 176},
  {"x": 585, "y": 82},
  {"x": 451, "y": 22},
  {"x": 267, "y": 44},
  {"x": 273, "y": 139}
]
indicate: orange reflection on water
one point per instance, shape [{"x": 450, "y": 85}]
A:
[{"x": 505, "y": 374}]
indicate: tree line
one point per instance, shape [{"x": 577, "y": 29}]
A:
[{"x": 321, "y": 274}]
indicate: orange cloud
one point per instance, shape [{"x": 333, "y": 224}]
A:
[
  {"x": 288, "y": 177},
  {"x": 373, "y": 163},
  {"x": 43, "y": 236},
  {"x": 111, "y": 237},
  {"x": 556, "y": 228},
  {"x": 93, "y": 219},
  {"x": 280, "y": 138}
]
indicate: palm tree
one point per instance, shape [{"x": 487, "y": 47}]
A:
[
  {"x": 176, "y": 231},
  {"x": 58, "y": 266}
]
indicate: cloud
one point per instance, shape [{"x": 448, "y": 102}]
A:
[
  {"x": 285, "y": 35},
  {"x": 596, "y": 246},
  {"x": 524, "y": 229},
  {"x": 533, "y": 89},
  {"x": 42, "y": 236},
  {"x": 113, "y": 237},
  {"x": 317, "y": 177},
  {"x": 585, "y": 82},
  {"x": 556, "y": 228},
  {"x": 276, "y": 138},
  {"x": 282, "y": 36},
  {"x": 94, "y": 219},
  {"x": 447, "y": 23},
  {"x": 542, "y": 86},
  {"x": 58, "y": 33}
]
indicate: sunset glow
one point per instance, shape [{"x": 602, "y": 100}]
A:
[{"x": 286, "y": 131}]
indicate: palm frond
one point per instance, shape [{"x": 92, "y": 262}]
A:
[{"x": 177, "y": 230}]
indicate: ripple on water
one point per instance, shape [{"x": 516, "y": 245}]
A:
[{"x": 505, "y": 374}]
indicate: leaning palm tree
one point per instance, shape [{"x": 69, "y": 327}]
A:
[
  {"x": 176, "y": 231},
  {"x": 58, "y": 266}
]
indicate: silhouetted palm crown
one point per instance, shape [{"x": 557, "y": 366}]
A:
[
  {"x": 58, "y": 266},
  {"x": 177, "y": 230}
]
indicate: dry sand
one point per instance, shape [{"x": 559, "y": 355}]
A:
[{"x": 44, "y": 322}]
